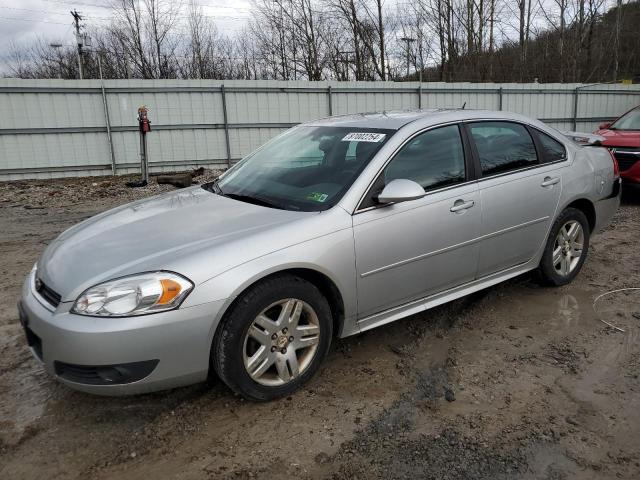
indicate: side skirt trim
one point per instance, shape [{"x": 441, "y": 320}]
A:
[{"x": 431, "y": 301}]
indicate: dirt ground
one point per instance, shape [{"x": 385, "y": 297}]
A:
[{"x": 518, "y": 381}]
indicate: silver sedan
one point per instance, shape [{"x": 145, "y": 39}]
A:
[{"x": 334, "y": 227}]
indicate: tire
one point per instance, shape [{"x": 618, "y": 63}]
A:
[
  {"x": 556, "y": 272},
  {"x": 244, "y": 331}
]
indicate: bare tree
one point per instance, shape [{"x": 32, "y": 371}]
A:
[
  {"x": 128, "y": 29},
  {"x": 476, "y": 40}
]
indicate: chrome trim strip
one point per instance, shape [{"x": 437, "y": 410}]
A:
[
  {"x": 625, "y": 152},
  {"x": 523, "y": 169},
  {"x": 453, "y": 247}
]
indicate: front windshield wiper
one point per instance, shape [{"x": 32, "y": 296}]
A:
[
  {"x": 254, "y": 200},
  {"x": 213, "y": 187},
  {"x": 216, "y": 188}
]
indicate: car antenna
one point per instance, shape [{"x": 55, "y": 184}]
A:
[{"x": 464, "y": 105}]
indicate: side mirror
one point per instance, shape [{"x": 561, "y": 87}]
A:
[
  {"x": 604, "y": 126},
  {"x": 401, "y": 190}
]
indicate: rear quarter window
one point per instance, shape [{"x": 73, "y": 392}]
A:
[{"x": 552, "y": 149}]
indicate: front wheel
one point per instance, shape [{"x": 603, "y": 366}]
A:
[
  {"x": 273, "y": 339},
  {"x": 566, "y": 248}
]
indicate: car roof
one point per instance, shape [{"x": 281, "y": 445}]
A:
[{"x": 396, "y": 119}]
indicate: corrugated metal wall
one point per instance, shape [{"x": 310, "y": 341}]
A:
[{"x": 58, "y": 128}]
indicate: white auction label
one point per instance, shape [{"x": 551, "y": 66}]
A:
[{"x": 364, "y": 137}]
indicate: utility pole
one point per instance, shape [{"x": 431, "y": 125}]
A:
[
  {"x": 420, "y": 53},
  {"x": 408, "y": 40},
  {"x": 381, "y": 32},
  {"x": 616, "y": 40},
  {"x": 285, "y": 75},
  {"x": 76, "y": 20}
]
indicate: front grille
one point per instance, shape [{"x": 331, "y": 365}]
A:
[
  {"x": 626, "y": 157},
  {"x": 47, "y": 293}
]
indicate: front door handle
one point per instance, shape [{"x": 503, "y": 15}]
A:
[
  {"x": 461, "y": 205},
  {"x": 549, "y": 181}
]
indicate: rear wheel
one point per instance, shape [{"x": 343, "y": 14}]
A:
[
  {"x": 566, "y": 248},
  {"x": 273, "y": 339}
]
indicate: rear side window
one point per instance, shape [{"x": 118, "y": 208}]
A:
[
  {"x": 503, "y": 146},
  {"x": 552, "y": 150}
]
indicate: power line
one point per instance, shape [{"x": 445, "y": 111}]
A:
[
  {"x": 35, "y": 11},
  {"x": 79, "y": 4},
  {"x": 182, "y": 17},
  {"x": 31, "y": 20},
  {"x": 205, "y": 5}
]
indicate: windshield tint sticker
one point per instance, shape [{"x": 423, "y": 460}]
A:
[
  {"x": 317, "y": 197},
  {"x": 364, "y": 137}
]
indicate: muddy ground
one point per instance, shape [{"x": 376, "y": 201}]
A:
[{"x": 516, "y": 382}]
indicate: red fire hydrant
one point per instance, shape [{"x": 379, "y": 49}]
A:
[{"x": 144, "y": 126}]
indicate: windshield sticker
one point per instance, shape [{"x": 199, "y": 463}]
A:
[
  {"x": 317, "y": 197},
  {"x": 364, "y": 137}
]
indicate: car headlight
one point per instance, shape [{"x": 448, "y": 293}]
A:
[{"x": 134, "y": 295}]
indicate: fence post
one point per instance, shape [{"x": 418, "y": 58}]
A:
[
  {"x": 575, "y": 108},
  {"x": 106, "y": 119},
  {"x": 330, "y": 100},
  {"x": 500, "y": 99},
  {"x": 226, "y": 125},
  {"x": 420, "y": 96}
]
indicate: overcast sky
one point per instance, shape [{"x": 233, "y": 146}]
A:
[{"x": 23, "y": 21}]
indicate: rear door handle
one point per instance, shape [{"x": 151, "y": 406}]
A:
[
  {"x": 460, "y": 205},
  {"x": 549, "y": 181}
]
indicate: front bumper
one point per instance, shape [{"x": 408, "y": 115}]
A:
[{"x": 172, "y": 346}]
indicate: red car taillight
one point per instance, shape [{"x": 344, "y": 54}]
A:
[{"x": 616, "y": 169}]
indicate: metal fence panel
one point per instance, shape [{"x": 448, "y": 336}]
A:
[
  {"x": 59, "y": 128},
  {"x": 245, "y": 140}
]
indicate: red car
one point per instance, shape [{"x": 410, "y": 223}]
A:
[{"x": 623, "y": 139}]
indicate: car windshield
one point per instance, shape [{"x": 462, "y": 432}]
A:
[
  {"x": 307, "y": 168},
  {"x": 629, "y": 121}
]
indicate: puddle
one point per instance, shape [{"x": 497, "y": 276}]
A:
[{"x": 619, "y": 308}]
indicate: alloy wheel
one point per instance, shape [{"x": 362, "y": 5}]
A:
[
  {"x": 568, "y": 248},
  {"x": 281, "y": 342}
]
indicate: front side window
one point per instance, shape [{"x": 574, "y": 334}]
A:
[
  {"x": 307, "y": 168},
  {"x": 503, "y": 146},
  {"x": 433, "y": 159},
  {"x": 629, "y": 121}
]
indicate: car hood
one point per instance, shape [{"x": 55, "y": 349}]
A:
[
  {"x": 151, "y": 234},
  {"x": 620, "y": 138}
]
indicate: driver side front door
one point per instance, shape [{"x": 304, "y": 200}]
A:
[{"x": 410, "y": 250}]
